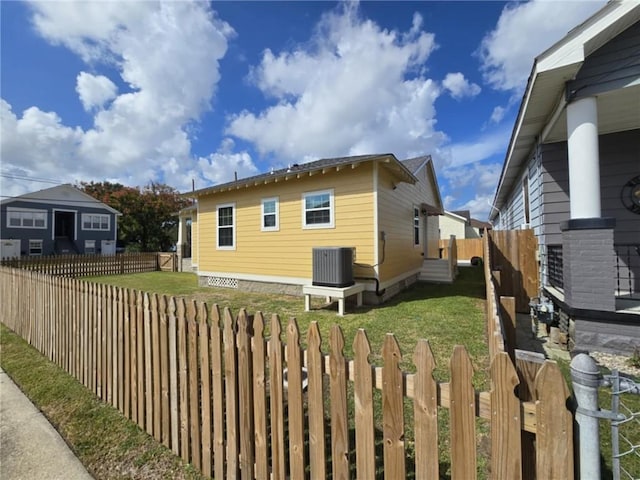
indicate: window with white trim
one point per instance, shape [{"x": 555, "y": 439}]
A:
[
  {"x": 35, "y": 247},
  {"x": 318, "y": 209},
  {"x": 26, "y": 218},
  {"x": 89, "y": 246},
  {"x": 270, "y": 215},
  {"x": 416, "y": 226},
  {"x": 92, "y": 221},
  {"x": 226, "y": 227}
]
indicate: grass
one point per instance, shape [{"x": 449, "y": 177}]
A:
[
  {"x": 113, "y": 447},
  {"x": 630, "y": 462},
  {"x": 109, "y": 445},
  {"x": 446, "y": 315}
]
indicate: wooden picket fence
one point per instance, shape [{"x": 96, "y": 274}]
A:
[
  {"x": 93, "y": 265},
  {"x": 212, "y": 387}
]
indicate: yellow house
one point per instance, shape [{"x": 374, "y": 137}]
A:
[{"x": 258, "y": 233}]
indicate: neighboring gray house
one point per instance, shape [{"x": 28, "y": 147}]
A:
[
  {"x": 57, "y": 220},
  {"x": 572, "y": 174}
]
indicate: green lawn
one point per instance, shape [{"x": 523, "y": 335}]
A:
[
  {"x": 446, "y": 315},
  {"x": 113, "y": 447},
  {"x": 107, "y": 443}
]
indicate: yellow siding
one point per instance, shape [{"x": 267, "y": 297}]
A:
[
  {"x": 395, "y": 211},
  {"x": 451, "y": 226},
  {"x": 288, "y": 252}
]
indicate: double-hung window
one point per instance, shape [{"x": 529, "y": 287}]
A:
[
  {"x": 95, "y": 222},
  {"x": 416, "y": 226},
  {"x": 226, "y": 227},
  {"x": 35, "y": 247},
  {"x": 26, "y": 218},
  {"x": 270, "y": 214},
  {"x": 318, "y": 209}
]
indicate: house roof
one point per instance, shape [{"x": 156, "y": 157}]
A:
[
  {"x": 415, "y": 165},
  {"x": 480, "y": 224},
  {"x": 65, "y": 194},
  {"x": 463, "y": 213},
  {"x": 295, "y": 171},
  {"x": 542, "y": 114}
]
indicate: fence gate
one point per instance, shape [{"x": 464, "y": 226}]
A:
[{"x": 167, "y": 262}]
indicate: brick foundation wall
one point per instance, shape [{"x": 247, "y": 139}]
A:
[{"x": 589, "y": 269}]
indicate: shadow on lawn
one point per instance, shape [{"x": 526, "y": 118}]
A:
[{"x": 469, "y": 283}]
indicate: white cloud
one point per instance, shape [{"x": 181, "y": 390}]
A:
[
  {"x": 478, "y": 178},
  {"x": 223, "y": 165},
  {"x": 353, "y": 88},
  {"x": 36, "y": 143},
  {"x": 479, "y": 206},
  {"x": 460, "y": 87},
  {"x": 498, "y": 114},
  {"x": 525, "y": 30},
  {"x": 484, "y": 147},
  {"x": 94, "y": 90},
  {"x": 172, "y": 72},
  {"x": 479, "y": 175}
]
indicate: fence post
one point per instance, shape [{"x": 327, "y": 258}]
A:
[{"x": 585, "y": 376}]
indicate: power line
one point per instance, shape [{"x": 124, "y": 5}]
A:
[{"x": 31, "y": 179}]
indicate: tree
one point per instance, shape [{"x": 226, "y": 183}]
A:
[{"x": 149, "y": 214}]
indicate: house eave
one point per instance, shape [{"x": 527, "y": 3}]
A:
[
  {"x": 542, "y": 106},
  {"x": 297, "y": 172}
]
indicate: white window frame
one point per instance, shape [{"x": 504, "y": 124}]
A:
[
  {"x": 276, "y": 213},
  {"x": 26, "y": 213},
  {"x": 331, "y": 223},
  {"x": 32, "y": 246},
  {"x": 416, "y": 226},
  {"x": 100, "y": 216},
  {"x": 232, "y": 226}
]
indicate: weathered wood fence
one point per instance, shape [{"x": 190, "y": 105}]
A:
[
  {"x": 501, "y": 337},
  {"x": 513, "y": 255},
  {"x": 94, "y": 265},
  {"x": 211, "y": 387}
]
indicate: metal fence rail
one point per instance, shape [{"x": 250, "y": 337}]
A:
[{"x": 625, "y": 428}]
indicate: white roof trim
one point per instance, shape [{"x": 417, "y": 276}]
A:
[{"x": 454, "y": 215}]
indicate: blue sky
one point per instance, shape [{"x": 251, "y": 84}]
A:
[{"x": 177, "y": 92}]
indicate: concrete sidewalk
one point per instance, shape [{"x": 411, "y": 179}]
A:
[{"x": 30, "y": 448}]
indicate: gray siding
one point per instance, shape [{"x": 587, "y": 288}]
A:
[
  {"x": 535, "y": 197},
  {"x": 613, "y": 66},
  {"x": 619, "y": 162},
  {"x": 555, "y": 191},
  {"x": 46, "y": 234}
]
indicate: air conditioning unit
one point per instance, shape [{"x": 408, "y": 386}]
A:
[{"x": 333, "y": 266}]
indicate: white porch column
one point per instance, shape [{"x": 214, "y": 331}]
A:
[
  {"x": 180, "y": 230},
  {"x": 584, "y": 159}
]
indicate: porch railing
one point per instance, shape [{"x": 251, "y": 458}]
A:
[
  {"x": 627, "y": 269},
  {"x": 554, "y": 265}
]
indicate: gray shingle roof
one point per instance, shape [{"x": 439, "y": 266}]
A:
[{"x": 413, "y": 164}]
